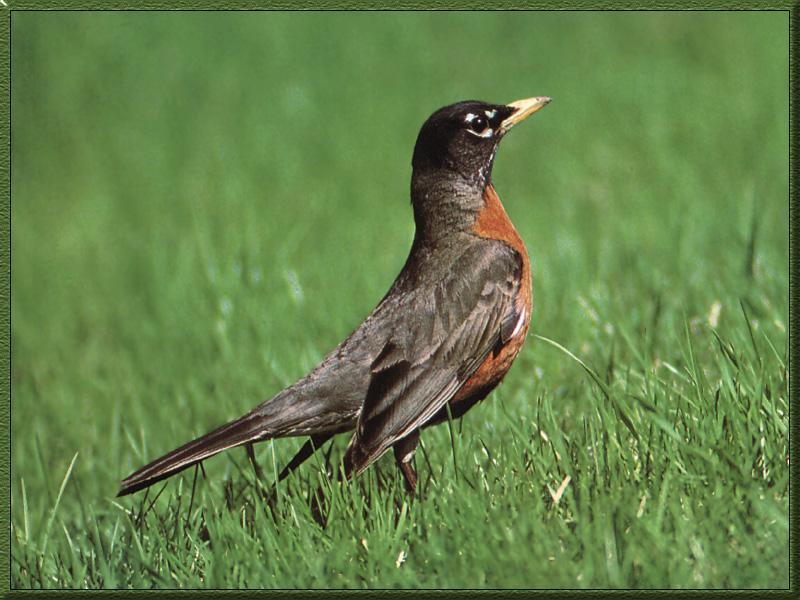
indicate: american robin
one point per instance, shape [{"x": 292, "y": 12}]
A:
[{"x": 441, "y": 339}]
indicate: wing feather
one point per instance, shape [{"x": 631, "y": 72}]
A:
[{"x": 451, "y": 331}]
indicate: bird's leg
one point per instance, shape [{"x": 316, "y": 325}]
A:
[
  {"x": 260, "y": 485},
  {"x": 251, "y": 454},
  {"x": 313, "y": 444},
  {"x": 319, "y": 503},
  {"x": 404, "y": 454}
]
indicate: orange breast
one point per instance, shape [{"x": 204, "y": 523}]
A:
[{"x": 493, "y": 223}]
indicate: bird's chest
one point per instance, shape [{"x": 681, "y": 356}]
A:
[{"x": 493, "y": 223}]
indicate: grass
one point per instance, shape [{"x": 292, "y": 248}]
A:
[{"x": 204, "y": 204}]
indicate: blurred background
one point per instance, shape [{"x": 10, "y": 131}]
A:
[{"x": 204, "y": 204}]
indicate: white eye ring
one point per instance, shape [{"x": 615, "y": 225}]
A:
[{"x": 487, "y": 131}]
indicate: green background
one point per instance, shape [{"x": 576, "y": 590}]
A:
[{"x": 204, "y": 204}]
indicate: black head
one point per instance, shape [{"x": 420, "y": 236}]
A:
[
  {"x": 462, "y": 138},
  {"x": 453, "y": 163}
]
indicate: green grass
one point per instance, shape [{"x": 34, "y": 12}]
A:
[{"x": 204, "y": 204}]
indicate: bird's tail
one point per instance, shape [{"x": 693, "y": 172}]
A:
[
  {"x": 248, "y": 428},
  {"x": 292, "y": 412}
]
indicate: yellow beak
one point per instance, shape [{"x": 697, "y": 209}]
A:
[{"x": 523, "y": 110}]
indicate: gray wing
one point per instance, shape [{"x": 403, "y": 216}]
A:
[{"x": 452, "y": 329}]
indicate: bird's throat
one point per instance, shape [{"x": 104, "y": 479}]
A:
[{"x": 444, "y": 206}]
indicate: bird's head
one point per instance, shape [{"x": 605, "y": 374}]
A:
[
  {"x": 462, "y": 138},
  {"x": 455, "y": 151}
]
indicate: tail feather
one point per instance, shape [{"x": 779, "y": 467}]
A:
[
  {"x": 241, "y": 431},
  {"x": 312, "y": 406}
]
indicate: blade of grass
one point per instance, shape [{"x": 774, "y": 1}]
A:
[
  {"x": 25, "y": 517},
  {"x": 55, "y": 506},
  {"x": 620, "y": 410},
  {"x": 750, "y": 331}
]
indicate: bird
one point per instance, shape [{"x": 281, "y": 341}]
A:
[{"x": 441, "y": 339}]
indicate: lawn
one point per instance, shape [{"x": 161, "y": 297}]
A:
[{"x": 204, "y": 204}]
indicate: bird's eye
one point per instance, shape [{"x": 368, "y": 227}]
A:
[{"x": 478, "y": 125}]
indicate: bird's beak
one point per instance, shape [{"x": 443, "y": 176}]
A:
[{"x": 522, "y": 110}]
